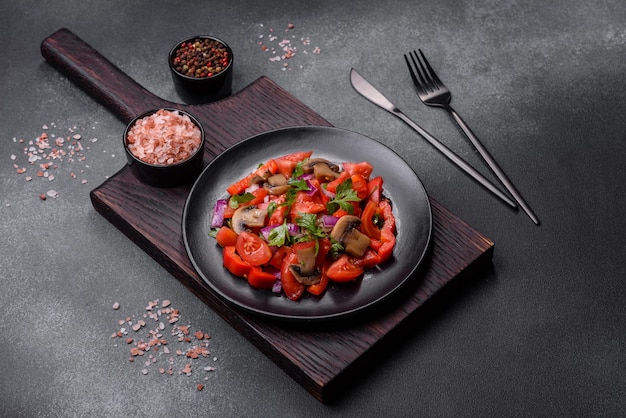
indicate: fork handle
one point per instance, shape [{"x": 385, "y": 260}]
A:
[
  {"x": 494, "y": 166},
  {"x": 461, "y": 163}
]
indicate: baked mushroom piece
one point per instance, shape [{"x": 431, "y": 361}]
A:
[
  {"x": 305, "y": 271},
  {"x": 321, "y": 168},
  {"x": 276, "y": 184},
  {"x": 354, "y": 241},
  {"x": 247, "y": 217}
]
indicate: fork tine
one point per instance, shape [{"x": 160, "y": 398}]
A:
[
  {"x": 423, "y": 77},
  {"x": 413, "y": 73},
  {"x": 429, "y": 69}
]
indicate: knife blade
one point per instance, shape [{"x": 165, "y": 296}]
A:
[{"x": 367, "y": 90}]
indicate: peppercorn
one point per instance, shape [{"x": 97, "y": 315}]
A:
[{"x": 201, "y": 58}]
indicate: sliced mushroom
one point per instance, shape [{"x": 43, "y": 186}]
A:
[
  {"x": 257, "y": 180},
  {"x": 304, "y": 279},
  {"x": 306, "y": 259},
  {"x": 247, "y": 217},
  {"x": 354, "y": 242},
  {"x": 305, "y": 271},
  {"x": 321, "y": 168},
  {"x": 276, "y": 184}
]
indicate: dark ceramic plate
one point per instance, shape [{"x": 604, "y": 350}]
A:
[{"x": 411, "y": 208}]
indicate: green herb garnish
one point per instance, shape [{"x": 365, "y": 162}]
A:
[
  {"x": 278, "y": 236},
  {"x": 343, "y": 196},
  {"x": 308, "y": 221},
  {"x": 271, "y": 207},
  {"x": 238, "y": 199}
]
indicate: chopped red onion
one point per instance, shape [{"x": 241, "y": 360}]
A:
[
  {"x": 217, "y": 219},
  {"x": 312, "y": 188},
  {"x": 328, "y": 194},
  {"x": 329, "y": 221},
  {"x": 278, "y": 286}
]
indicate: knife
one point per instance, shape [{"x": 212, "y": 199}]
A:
[{"x": 370, "y": 92}]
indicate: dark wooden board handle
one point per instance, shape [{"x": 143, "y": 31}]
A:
[{"x": 98, "y": 76}]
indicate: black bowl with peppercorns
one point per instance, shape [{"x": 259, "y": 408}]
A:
[{"x": 202, "y": 69}]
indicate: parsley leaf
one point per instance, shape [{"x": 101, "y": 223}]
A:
[
  {"x": 237, "y": 199},
  {"x": 271, "y": 207},
  {"x": 343, "y": 196},
  {"x": 279, "y": 236},
  {"x": 336, "y": 249},
  {"x": 298, "y": 170},
  {"x": 308, "y": 221}
]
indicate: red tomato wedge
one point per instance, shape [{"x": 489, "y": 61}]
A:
[
  {"x": 375, "y": 189},
  {"x": 332, "y": 186},
  {"x": 359, "y": 184},
  {"x": 261, "y": 279},
  {"x": 226, "y": 237},
  {"x": 239, "y": 186},
  {"x": 342, "y": 270},
  {"x": 297, "y": 156},
  {"x": 319, "y": 288},
  {"x": 370, "y": 213},
  {"x": 234, "y": 263},
  {"x": 305, "y": 204},
  {"x": 279, "y": 255},
  {"x": 293, "y": 288},
  {"x": 387, "y": 232},
  {"x": 370, "y": 259},
  {"x": 252, "y": 249},
  {"x": 363, "y": 168}
]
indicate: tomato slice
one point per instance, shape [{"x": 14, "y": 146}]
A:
[
  {"x": 226, "y": 237},
  {"x": 261, "y": 279},
  {"x": 387, "y": 232},
  {"x": 342, "y": 270},
  {"x": 375, "y": 189},
  {"x": 278, "y": 257},
  {"x": 369, "y": 260},
  {"x": 285, "y": 167},
  {"x": 363, "y": 168},
  {"x": 239, "y": 186},
  {"x": 234, "y": 263},
  {"x": 305, "y": 204},
  {"x": 259, "y": 196},
  {"x": 319, "y": 288},
  {"x": 293, "y": 288},
  {"x": 252, "y": 249},
  {"x": 359, "y": 184},
  {"x": 267, "y": 169},
  {"x": 297, "y": 156},
  {"x": 332, "y": 186},
  {"x": 370, "y": 212},
  {"x": 323, "y": 248}
]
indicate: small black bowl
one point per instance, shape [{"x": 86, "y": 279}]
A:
[
  {"x": 207, "y": 88},
  {"x": 166, "y": 175}
]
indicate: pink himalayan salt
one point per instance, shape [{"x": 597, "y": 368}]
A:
[{"x": 163, "y": 138}]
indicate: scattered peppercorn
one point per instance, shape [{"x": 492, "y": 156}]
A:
[{"x": 201, "y": 58}]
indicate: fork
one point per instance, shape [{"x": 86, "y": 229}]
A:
[{"x": 432, "y": 92}]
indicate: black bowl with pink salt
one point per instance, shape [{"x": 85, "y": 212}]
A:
[
  {"x": 202, "y": 69},
  {"x": 165, "y": 147}
]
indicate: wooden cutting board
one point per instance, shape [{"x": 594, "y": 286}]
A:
[{"x": 322, "y": 359}]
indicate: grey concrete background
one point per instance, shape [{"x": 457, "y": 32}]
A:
[{"x": 539, "y": 334}]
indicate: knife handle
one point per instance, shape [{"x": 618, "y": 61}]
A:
[{"x": 98, "y": 76}]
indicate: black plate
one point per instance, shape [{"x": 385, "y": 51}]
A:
[{"x": 411, "y": 208}]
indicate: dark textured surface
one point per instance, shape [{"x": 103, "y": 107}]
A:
[{"x": 541, "y": 84}]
